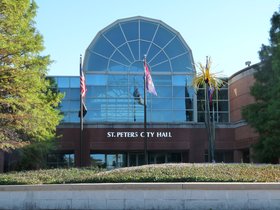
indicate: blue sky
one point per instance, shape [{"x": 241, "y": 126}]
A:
[{"x": 231, "y": 32}]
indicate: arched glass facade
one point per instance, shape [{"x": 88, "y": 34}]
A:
[{"x": 113, "y": 67}]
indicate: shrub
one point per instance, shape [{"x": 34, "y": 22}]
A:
[{"x": 150, "y": 173}]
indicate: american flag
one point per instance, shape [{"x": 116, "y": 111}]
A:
[
  {"x": 82, "y": 84},
  {"x": 83, "y": 91},
  {"x": 149, "y": 81}
]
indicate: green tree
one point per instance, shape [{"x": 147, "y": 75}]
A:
[
  {"x": 27, "y": 104},
  {"x": 264, "y": 114}
]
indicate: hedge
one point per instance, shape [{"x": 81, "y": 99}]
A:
[{"x": 149, "y": 173}]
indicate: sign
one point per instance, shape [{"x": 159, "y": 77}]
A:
[{"x": 158, "y": 134}]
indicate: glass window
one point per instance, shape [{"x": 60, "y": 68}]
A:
[
  {"x": 137, "y": 67},
  {"x": 137, "y": 92},
  {"x": 162, "y": 67},
  {"x": 60, "y": 160},
  {"x": 223, "y": 117},
  {"x": 121, "y": 160},
  {"x": 134, "y": 46},
  {"x": 131, "y": 30},
  {"x": 119, "y": 58},
  {"x": 99, "y": 79},
  {"x": 98, "y": 160},
  {"x": 223, "y": 94},
  {"x": 103, "y": 47},
  {"x": 111, "y": 161},
  {"x": 74, "y": 82},
  {"x": 162, "y": 103},
  {"x": 96, "y": 63},
  {"x": 162, "y": 80},
  {"x": 75, "y": 105},
  {"x": 189, "y": 92},
  {"x": 65, "y": 106},
  {"x": 126, "y": 51},
  {"x": 66, "y": 92},
  {"x": 163, "y": 36},
  {"x": 63, "y": 82},
  {"x": 147, "y": 30},
  {"x": 214, "y": 96},
  {"x": 220, "y": 104},
  {"x": 96, "y": 103},
  {"x": 182, "y": 80},
  {"x": 160, "y": 57},
  {"x": 223, "y": 105},
  {"x": 161, "y": 116},
  {"x": 182, "y": 115},
  {"x": 179, "y": 91},
  {"x": 137, "y": 80},
  {"x": 115, "y": 35},
  {"x": 96, "y": 92},
  {"x": 182, "y": 63},
  {"x": 120, "y": 49},
  {"x": 74, "y": 116},
  {"x": 65, "y": 117},
  {"x": 175, "y": 48},
  {"x": 137, "y": 114},
  {"x": 75, "y": 93},
  {"x": 200, "y": 116},
  {"x": 200, "y": 105},
  {"x": 132, "y": 160},
  {"x": 96, "y": 116},
  {"x": 182, "y": 103},
  {"x": 117, "y": 91},
  {"x": 174, "y": 157},
  {"x": 164, "y": 91},
  {"x": 117, "y": 79},
  {"x": 152, "y": 52},
  {"x": 141, "y": 159},
  {"x": 144, "y": 46},
  {"x": 114, "y": 66},
  {"x": 160, "y": 158},
  {"x": 131, "y": 39},
  {"x": 225, "y": 156}
]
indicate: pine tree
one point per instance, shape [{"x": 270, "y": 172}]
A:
[
  {"x": 27, "y": 104},
  {"x": 264, "y": 115}
]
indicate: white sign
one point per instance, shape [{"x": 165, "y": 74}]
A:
[{"x": 158, "y": 134}]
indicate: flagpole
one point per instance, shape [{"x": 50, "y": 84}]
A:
[
  {"x": 81, "y": 114},
  {"x": 134, "y": 115},
  {"x": 213, "y": 134},
  {"x": 145, "y": 115}
]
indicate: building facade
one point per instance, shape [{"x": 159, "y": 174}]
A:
[{"x": 113, "y": 133}]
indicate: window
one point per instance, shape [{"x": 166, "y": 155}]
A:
[
  {"x": 60, "y": 160},
  {"x": 108, "y": 161},
  {"x": 113, "y": 67},
  {"x": 221, "y": 156},
  {"x": 219, "y": 106}
]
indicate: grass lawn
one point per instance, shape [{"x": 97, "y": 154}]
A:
[{"x": 150, "y": 173}]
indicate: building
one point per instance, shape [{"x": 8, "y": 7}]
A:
[{"x": 113, "y": 125}]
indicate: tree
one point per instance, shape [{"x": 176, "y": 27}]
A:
[
  {"x": 264, "y": 114},
  {"x": 27, "y": 104},
  {"x": 208, "y": 80}
]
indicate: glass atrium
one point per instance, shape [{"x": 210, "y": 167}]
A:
[
  {"x": 114, "y": 70},
  {"x": 113, "y": 66}
]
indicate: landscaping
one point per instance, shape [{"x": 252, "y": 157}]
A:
[{"x": 149, "y": 173}]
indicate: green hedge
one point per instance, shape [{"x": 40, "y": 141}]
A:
[{"x": 150, "y": 173}]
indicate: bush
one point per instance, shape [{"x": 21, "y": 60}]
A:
[
  {"x": 31, "y": 157},
  {"x": 150, "y": 173}
]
